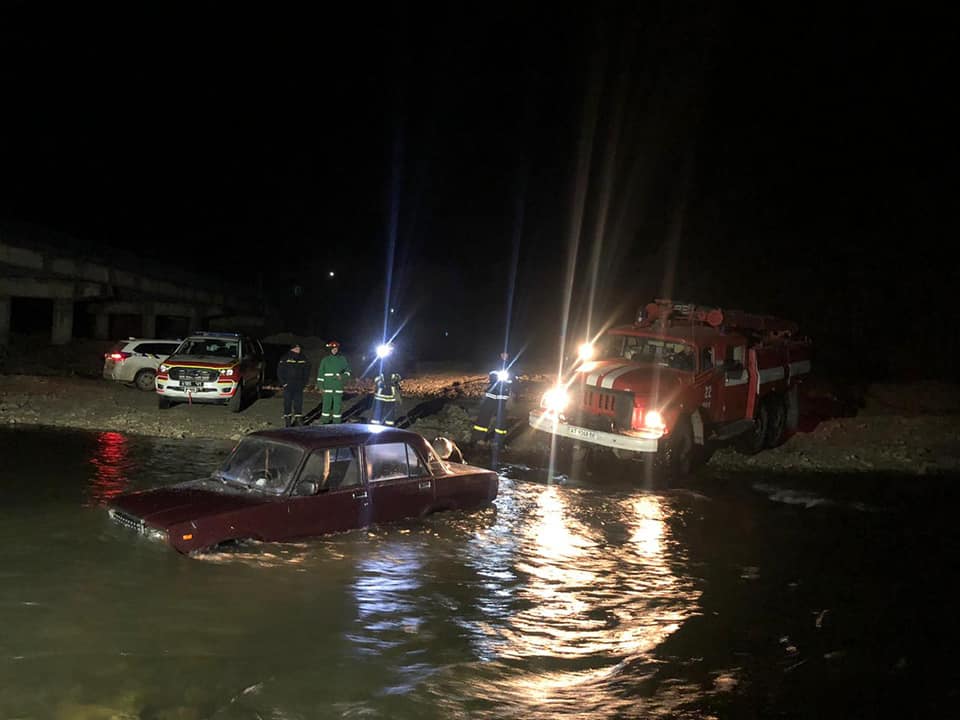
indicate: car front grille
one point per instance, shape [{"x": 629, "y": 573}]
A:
[
  {"x": 128, "y": 521},
  {"x": 193, "y": 374}
]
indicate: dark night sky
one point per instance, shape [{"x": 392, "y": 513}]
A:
[{"x": 787, "y": 161}]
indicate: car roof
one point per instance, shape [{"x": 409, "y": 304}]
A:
[
  {"x": 314, "y": 437},
  {"x": 150, "y": 340}
]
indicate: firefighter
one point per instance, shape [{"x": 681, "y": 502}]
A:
[
  {"x": 386, "y": 398},
  {"x": 330, "y": 376},
  {"x": 491, "y": 420},
  {"x": 293, "y": 372}
]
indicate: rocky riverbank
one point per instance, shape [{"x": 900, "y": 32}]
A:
[{"x": 912, "y": 429}]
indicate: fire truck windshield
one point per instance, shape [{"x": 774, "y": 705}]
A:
[{"x": 653, "y": 351}]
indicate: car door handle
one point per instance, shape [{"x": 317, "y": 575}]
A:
[
  {"x": 425, "y": 484},
  {"x": 360, "y": 494}
]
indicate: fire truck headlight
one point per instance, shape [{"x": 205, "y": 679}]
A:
[
  {"x": 586, "y": 351},
  {"x": 164, "y": 368},
  {"x": 653, "y": 419},
  {"x": 227, "y": 371},
  {"x": 384, "y": 350},
  {"x": 555, "y": 399},
  {"x": 503, "y": 375}
]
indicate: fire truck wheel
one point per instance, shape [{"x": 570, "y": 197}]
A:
[
  {"x": 752, "y": 441},
  {"x": 776, "y": 421},
  {"x": 579, "y": 453},
  {"x": 680, "y": 449}
]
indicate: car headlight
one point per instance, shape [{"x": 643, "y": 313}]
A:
[
  {"x": 226, "y": 371},
  {"x": 152, "y": 533},
  {"x": 164, "y": 368},
  {"x": 555, "y": 399}
]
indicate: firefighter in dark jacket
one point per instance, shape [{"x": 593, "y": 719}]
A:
[
  {"x": 386, "y": 398},
  {"x": 491, "y": 417},
  {"x": 293, "y": 372}
]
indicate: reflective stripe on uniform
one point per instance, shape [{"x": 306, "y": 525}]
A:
[
  {"x": 389, "y": 422},
  {"x": 481, "y": 429},
  {"x": 498, "y": 397},
  {"x": 338, "y": 392},
  {"x": 329, "y": 374},
  {"x": 385, "y": 398},
  {"x": 498, "y": 431},
  {"x": 374, "y": 422},
  {"x": 329, "y": 391}
]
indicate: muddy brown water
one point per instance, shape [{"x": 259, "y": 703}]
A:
[{"x": 724, "y": 596}]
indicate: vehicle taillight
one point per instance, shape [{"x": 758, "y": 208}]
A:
[{"x": 119, "y": 356}]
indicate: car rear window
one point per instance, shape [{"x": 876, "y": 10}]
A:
[{"x": 394, "y": 460}]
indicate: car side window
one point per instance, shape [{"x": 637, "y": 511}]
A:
[
  {"x": 394, "y": 460},
  {"x": 415, "y": 464},
  {"x": 344, "y": 468},
  {"x": 331, "y": 469}
]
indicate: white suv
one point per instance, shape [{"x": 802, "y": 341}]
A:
[{"x": 135, "y": 360}]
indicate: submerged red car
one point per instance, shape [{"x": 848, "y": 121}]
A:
[{"x": 282, "y": 485}]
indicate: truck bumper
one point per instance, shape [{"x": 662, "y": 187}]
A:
[{"x": 549, "y": 423}]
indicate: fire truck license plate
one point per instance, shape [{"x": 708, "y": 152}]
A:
[{"x": 581, "y": 432}]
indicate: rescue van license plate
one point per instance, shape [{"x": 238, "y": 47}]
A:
[{"x": 581, "y": 432}]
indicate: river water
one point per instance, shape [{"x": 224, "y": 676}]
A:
[{"x": 726, "y": 596}]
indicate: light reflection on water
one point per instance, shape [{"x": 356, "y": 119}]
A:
[
  {"x": 111, "y": 462},
  {"x": 558, "y": 601}
]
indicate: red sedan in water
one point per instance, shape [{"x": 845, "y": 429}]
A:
[{"x": 280, "y": 485}]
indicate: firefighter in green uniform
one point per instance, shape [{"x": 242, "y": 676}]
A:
[{"x": 330, "y": 376}]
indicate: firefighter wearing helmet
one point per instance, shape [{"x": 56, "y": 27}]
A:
[
  {"x": 330, "y": 377},
  {"x": 386, "y": 398},
  {"x": 491, "y": 416}
]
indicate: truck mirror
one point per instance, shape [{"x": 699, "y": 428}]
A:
[{"x": 733, "y": 367}]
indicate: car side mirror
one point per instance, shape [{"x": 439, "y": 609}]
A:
[{"x": 307, "y": 486}]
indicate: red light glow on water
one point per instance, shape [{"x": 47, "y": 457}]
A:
[{"x": 110, "y": 461}]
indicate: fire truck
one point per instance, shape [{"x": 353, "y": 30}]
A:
[{"x": 680, "y": 381}]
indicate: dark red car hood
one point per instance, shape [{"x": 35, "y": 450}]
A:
[{"x": 165, "y": 507}]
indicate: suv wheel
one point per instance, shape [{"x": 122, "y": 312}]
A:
[
  {"x": 236, "y": 402},
  {"x": 146, "y": 380}
]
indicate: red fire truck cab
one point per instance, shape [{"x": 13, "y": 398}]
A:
[{"x": 679, "y": 381}]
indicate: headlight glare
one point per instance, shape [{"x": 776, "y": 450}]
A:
[{"x": 555, "y": 399}]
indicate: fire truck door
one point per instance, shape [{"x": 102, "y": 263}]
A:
[
  {"x": 710, "y": 378},
  {"x": 734, "y": 385}
]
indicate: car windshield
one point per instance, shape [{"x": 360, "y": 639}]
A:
[
  {"x": 261, "y": 464},
  {"x": 653, "y": 351},
  {"x": 216, "y": 347}
]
